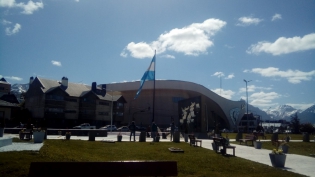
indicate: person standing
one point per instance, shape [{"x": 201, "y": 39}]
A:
[
  {"x": 132, "y": 129},
  {"x": 172, "y": 130},
  {"x": 153, "y": 130}
]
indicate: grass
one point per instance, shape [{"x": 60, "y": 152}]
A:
[{"x": 193, "y": 162}]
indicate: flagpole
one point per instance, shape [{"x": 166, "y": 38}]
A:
[{"x": 154, "y": 87}]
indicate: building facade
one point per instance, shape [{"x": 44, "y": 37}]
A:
[
  {"x": 188, "y": 104},
  {"x": 63, "y": 104}
]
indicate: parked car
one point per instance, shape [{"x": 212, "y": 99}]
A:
[
  {"x": 84, "y": 126},
  {"x": 109, "y": 128},
  {"x": 123, "y": 129},
  {"x": 138, "y": 128}
]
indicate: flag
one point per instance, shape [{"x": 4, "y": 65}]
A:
[{"x": 147, "y": 76}]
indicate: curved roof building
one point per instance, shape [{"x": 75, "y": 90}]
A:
[{"x": 191, "y": 106}]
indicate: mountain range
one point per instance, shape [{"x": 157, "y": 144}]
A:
[{"x": 282, "y": 112}]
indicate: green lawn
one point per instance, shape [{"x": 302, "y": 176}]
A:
[{"x": 194, "y": 162}]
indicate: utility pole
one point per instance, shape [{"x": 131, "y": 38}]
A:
[{"x": 247, "y": 104}]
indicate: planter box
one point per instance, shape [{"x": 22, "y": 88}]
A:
[
  {"x": 285, "y": 149},
  {"x": 92, "y": 135},
  {"x": 1, "y": 132},
  {"x": 68, "y": 137},
  {"x": 214, "y": 146},
  {"x": 186, "y": 137},
  {"x": 38, "y": 137},
  {"x": 257, "y": 144},
  {"x": 277, "y": 160},
  {"x": 176, "y": 137},
  {"x": 119, "y": 138}
]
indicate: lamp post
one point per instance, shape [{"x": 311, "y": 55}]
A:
[
  {"x": 111, "y": 111},
  {"x": 247, "y": 103}
]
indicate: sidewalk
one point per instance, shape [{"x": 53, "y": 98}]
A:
[{"x": 295, "y": 163}]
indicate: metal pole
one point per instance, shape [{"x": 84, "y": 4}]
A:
[
  {"x": 111, "y": 119},
  {"x": 247, "y": 104}
]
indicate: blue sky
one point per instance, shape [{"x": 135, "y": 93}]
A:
[{"x": 271, "y": 43}]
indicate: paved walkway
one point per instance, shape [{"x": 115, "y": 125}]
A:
[{"x": 294, "y": 163}]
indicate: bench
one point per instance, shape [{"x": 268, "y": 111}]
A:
[
  {"x": 113, "y": 168},
  {"x": 247, "y": 138},
  {"x": 26, "y": 135},
  {"x": 193, "y": 141},
  {"x": 225, "y": 145}
]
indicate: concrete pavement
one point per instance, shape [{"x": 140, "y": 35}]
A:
[{"x": 295, "y": 163}]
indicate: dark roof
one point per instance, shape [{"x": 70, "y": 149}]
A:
[
  {"x": 74, "y": 89},
  {"x": 7, "y": 104}
]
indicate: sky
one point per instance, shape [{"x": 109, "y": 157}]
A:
[{"x": 217, "y": 44}]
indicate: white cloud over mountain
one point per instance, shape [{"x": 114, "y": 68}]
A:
[
  {"x": 189, "y": 40},
  {"x": 224, "y": 93},
  {"x": 262, "y": 99},
  {"x": 284, "y": 45},
  {"x": 293, "y": 76}
]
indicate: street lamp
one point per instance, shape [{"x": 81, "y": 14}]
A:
[
  {"x": 247, "y": 103},
  {"x": 111, "y": 111}
]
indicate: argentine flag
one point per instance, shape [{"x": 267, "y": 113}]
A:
[{"x": 147, "y": 76}]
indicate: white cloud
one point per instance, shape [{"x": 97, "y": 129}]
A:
[
  {"x": 190, "y": 40},
  {"x": 15, "y": 30},
  {"x": 293, "y": 76},
  {"x": 301, "y": 106},
  {"x": 7, "y": 3},
  {"x": 56, "y": 63},
  {"x": 168, "y": 56},
  {"x": 246, "y": 21},
  {"x": 262, "y": 99},
  {"x": 276, "y": 17},
  {"x": 5, "y": 22},
  {"x": 230, "y": 76},
  {"x": 77, "y": 0},
  {"x": 224, "y": 93},
  {"x": 219, "y": 74},
  {"x": 253, "y": 88},
  {"x": 284, "y": 45},
  {"x": 28, "y": 8},
  {"x": 14, "y": 78}
]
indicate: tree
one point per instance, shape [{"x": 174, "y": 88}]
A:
[
  {"x": 307, "y": 127},
  {"x": 295, "y": 124}
]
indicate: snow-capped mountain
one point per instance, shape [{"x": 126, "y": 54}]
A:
[
  {"x": 283, "y": 112},
  {"x": 308, "y": 115},
  {"x": 18, "y": 89}
]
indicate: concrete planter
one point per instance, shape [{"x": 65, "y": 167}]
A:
[
  {"x": 119, "y": 138},
  {"x": 38, "y": 137},
  {"x": 214, "y": 146},
  {"x": 257, "y": 144},
  {"x": 142, "y": 137},
  {"x": 186, "y": 138},
  {"x": 306, "y": 137},
  {"x": 1, "y": 132},
  {"x": 92, "y": 135},
  {"x": 176, "y": 137},
  {"x": 277, "y": 160},
  {"x": 285, "y": 149}
]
